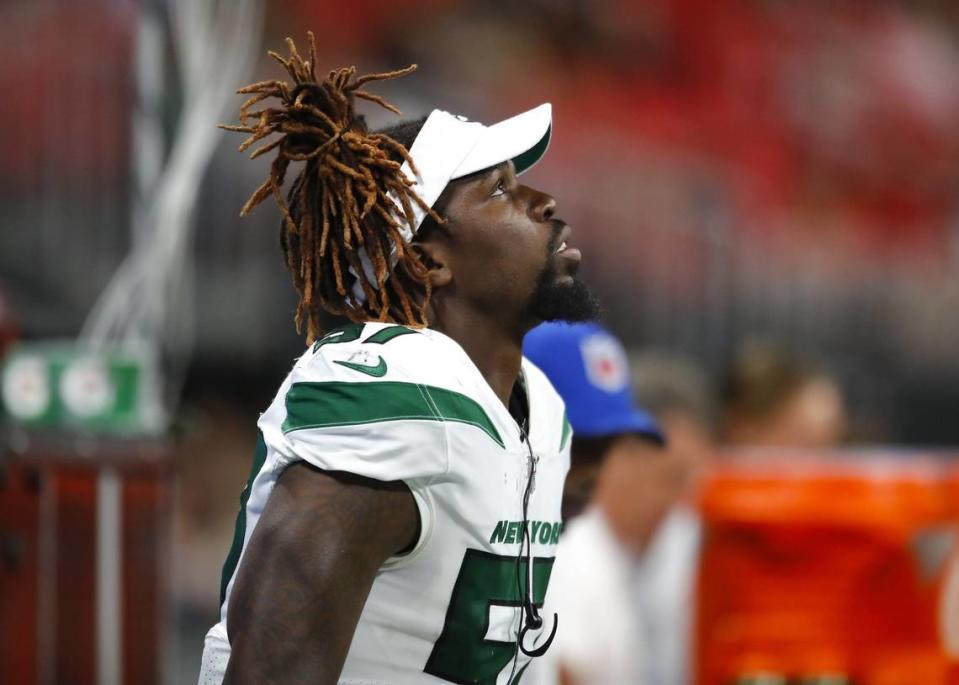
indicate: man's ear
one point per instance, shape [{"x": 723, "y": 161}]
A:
[{"x": 434, "y": 257}]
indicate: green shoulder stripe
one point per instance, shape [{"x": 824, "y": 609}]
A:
[
  {"x": 239, "y": 529},
  {"x": 385, "y": 335},
  {"x": 567, "y": 431},
  {"x": 336, "y": 403}
]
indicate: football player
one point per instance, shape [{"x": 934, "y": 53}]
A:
[{"x": 403, "y": 508}]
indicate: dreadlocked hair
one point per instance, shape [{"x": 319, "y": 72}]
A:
[{"x": 342, "y": 214}]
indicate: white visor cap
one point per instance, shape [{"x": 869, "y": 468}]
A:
[{"x": 450, "y": 147}]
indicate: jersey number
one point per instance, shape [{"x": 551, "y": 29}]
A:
[
  {"x": 463, "y": 653},
  {"x": 353, "y": 331}
]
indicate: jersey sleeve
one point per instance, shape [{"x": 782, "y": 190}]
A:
[{"x": 360, "y": 408}]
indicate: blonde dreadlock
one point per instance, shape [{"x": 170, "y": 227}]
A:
[{"x": 343, "y": 201}]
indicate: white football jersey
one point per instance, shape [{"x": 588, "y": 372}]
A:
[{"x": 393, "y": 403}]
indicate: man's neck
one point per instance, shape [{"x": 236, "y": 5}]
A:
[{"x": 496, "y": 351}]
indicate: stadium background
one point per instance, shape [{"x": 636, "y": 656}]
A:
[{"x": 732, "y": 169}]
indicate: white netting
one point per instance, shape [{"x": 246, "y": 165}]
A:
[{"x": 148, "y": 303}]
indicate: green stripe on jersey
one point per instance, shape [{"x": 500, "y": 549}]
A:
[
  {"x": 239, "y": 530},
  {"x": 335, "y": 403},
  {"x": 567, "y": 430}
]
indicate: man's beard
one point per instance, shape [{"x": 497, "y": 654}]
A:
[{"x": 555, "y": 301}]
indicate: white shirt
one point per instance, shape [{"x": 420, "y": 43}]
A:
[
  {"x": 665, "y": 585},
  {"x": 593, "y": 590}
]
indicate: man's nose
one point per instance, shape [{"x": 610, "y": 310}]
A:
[{"x": 542, "y": 206}]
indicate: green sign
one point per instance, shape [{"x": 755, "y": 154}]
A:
[{"x": 66, "y": 386}]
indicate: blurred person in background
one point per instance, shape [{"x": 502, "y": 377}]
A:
[
  {"x": 676, "y": 391},
  {"x": 772, "y": 398},
  {"x": 620, "y": 485},
  {"x": 412, "y": 463}
]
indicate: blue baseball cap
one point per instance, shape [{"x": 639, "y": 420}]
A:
[{"x": 588, "y": 367}]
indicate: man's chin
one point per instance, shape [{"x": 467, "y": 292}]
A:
[{"x": 564, "y": 299}]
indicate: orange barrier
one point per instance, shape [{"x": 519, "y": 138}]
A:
[{"x": 829, "y": 569}]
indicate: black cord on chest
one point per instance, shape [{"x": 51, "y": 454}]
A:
[{"x": 519, "y": 409}]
